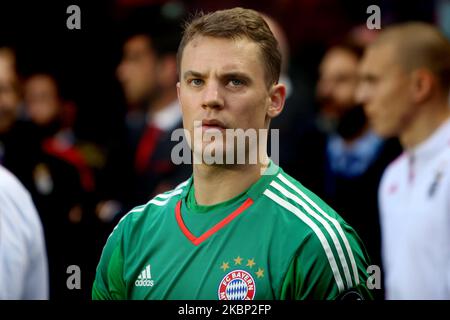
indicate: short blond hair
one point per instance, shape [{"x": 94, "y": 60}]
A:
[
  {"x": 419, "y": 45},
  {"x": 236, "y": 23}
]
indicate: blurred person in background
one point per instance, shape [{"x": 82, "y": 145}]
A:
[
  {"x": 54, "y": 183},
  {"x": 405, "y": 80},
  {"x": 63, "y": 182},
  {"x": 23, "y": 258},
  {"x": 340, "y": 157},
  {"x": 297, "y": 111},
  {"x": 148, "y": 75},
  {"x": 54, "y": 117},
  {"x": 9, "y": 97},
  {"x": 18, "y": 144}
]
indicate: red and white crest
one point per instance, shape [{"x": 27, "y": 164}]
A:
[{"x": 237, "y": 285}]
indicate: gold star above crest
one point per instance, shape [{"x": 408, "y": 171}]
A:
[
  {"x": 238, "y": 260},
  {"x": 260, "y": 273},
  {"x": 250, "y": 263},
  {"x": 225, "y": 266}
]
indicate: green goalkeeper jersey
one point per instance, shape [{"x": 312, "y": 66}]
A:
[{"x": 277, "y": 240}]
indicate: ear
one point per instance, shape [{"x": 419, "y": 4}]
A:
[
  {"x": 423, "y": 84},
  {"x": 277, "y": 96},
  {"x": 178, "y": 90}
]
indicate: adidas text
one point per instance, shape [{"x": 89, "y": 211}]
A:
[{"x": 143, "y": 283}]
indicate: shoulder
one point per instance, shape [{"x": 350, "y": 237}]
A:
[
  {"x": 328, "y": 246},
  {"x": 294, "y": 199},
  {"x": 394, "y": 170},
  {"x": 10, "y": 185},
  {"x": 158, "y": 205},
  {"x": 14, "y": 196},
  {"x": 19, "y": 215},
  {"x": 308, "y": 216},
  {"x": 396, "y": 165}
]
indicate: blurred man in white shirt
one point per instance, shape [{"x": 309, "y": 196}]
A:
[
  {"x": 23, "y": 258},
  {"x": 405, "y": 80}
]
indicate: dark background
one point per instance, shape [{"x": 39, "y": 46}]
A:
[{"x": 84, "y": 61}]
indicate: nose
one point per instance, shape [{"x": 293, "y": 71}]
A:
[{"x": 212, "y": 97}]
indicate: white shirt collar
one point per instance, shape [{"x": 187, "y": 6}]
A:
[
  {"x": 166, "y": 118},
  {"x": 436, "y": 142}
]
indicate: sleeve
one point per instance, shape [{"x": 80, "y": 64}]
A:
[
  {"x": 109, "y": 283},
  {"x": 23, "y": 259},
  {"x": 448, "y": 230},
  {"x": 37, "y": 284},
  {"x": 310, "y": 275}
]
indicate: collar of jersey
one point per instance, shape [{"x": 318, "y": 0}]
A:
[
  {"x": 434, "y": 144},
  {"x": 253, "y": 192},
  {"x": 194, "y": 207}
]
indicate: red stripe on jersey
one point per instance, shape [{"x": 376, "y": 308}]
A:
[{"x": 197, "y": 240}]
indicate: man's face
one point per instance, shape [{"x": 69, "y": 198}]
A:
[
  {"x": 41, "y": 99},
  {"x": 222, "y": 86},
  {"x": 385, "y": 91},
  {"x": 9, "y": 97},
  {"x": 138, "y": 70},
  {"x": 338, "y": 79}
]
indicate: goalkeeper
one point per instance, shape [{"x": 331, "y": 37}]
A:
[{"x": 232, "y": 231}]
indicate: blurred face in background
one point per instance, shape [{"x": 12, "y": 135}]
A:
[
  {"x": 137, "y": 71},
  {"x": 9, "y": 92},
  {"x": 43, "y": 103},
  {"x": 338, "y": 78},
  {"x": 385, "y": 91}
]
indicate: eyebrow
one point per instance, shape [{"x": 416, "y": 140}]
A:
[
  {"x": 239, "y": 75},
  {"x": 191, "y": 73},
  {"x": 233, "y": 74}
]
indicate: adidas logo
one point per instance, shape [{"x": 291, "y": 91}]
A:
[{"x": 145, "y": 278}]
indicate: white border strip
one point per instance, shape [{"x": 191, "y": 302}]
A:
[
  {"x": 317, "y": 231},
  {"x": 331, "y": 219},
  {"x": 327, "y": 226}
]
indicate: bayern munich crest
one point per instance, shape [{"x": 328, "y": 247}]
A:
[{"x": 237, "y": 285}]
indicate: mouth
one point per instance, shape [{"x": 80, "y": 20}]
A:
[{"x": 208, "y": 124}]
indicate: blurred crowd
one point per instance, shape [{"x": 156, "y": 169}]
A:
[{"x": 82, "y": 185}]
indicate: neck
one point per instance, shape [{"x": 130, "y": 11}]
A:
[
  {"x": 425, "y": 123},
  {"x": 218, "y": 183}
]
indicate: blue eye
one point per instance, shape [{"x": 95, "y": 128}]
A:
[
  {"x": 236, "y": 82},
  {"x": 196, "y": 82}
]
